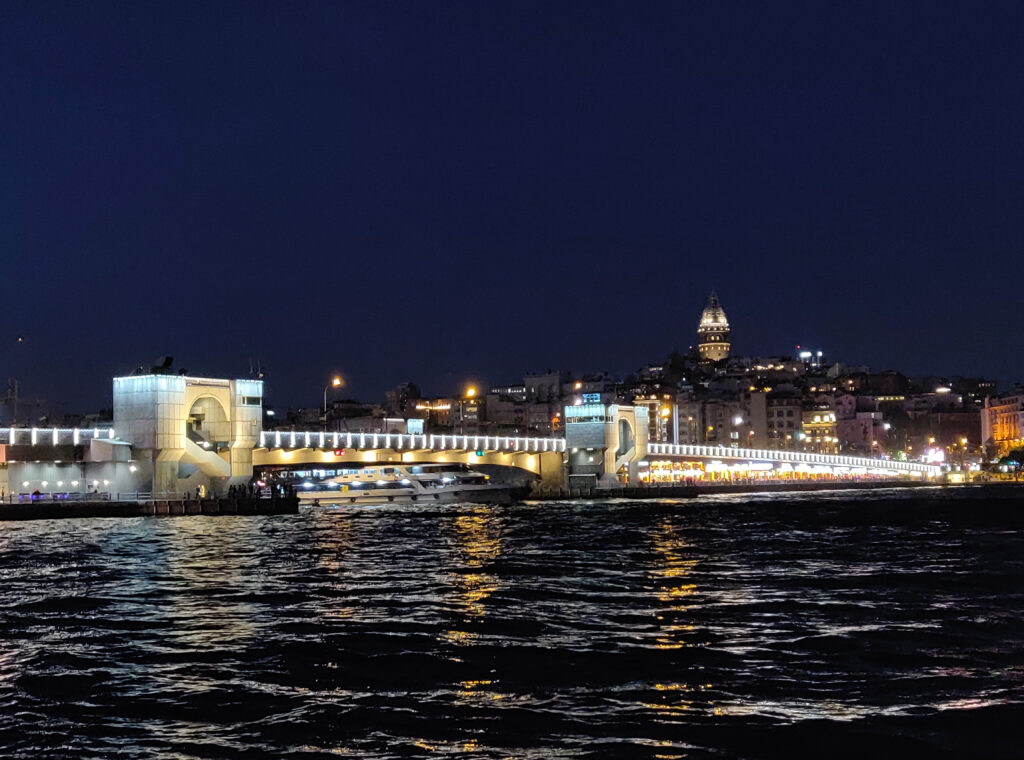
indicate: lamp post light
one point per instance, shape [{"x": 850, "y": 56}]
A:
[
  {"x": 335, "y": 383},
  {"x": 469, "y": 393},
  {"x": 662, "y": 423}
]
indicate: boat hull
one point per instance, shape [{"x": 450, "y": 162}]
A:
[{"x": 456, "y": 495}]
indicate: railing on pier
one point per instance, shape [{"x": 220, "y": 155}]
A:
[{"x": 24, "y": 498}]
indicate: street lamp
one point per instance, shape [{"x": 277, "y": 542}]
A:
[
  {"x": 335, "y": 383},
  {"x": 469, "y": 393}
]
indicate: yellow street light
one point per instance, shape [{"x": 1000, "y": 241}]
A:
[
  {"x": 470, "y": 392},
  {"x": 336, "y": 382}
]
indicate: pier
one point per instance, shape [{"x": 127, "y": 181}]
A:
[{"x": 57, "y": 509}]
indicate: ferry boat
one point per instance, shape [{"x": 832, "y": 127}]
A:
[{"x": 428, "y": 483}]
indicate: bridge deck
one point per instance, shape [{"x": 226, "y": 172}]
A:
[{"x": 697, "y": 451}]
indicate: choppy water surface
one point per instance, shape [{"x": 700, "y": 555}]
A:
[{"x": 810, "y": 625}]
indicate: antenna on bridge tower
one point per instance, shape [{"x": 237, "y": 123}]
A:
[{"x": 12, "y": 398}]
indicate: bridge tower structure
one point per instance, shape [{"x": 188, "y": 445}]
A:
[
  {"x": 189, "y": 431},
  {"x": 605, "y": 444}
]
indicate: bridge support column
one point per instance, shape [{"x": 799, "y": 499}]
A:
[
  {"x": 241, "y": 463},
  {"x": 552, "y": 470},
  {"x": 165, "y": 470}
]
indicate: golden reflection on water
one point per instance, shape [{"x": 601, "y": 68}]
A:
[
  {"x": 480, "y": 692},
  {"x": 674, "y": 591},
  {"x": 672, "y": 575},
  {"x": 476, "y": 542},
  {"x": 448, "y": 748},
  {"x": 334, "y": 545}
]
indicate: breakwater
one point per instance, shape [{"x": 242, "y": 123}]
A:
[{"x": 51, "y": 510}]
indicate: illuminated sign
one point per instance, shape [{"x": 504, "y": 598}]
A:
[{"x": 591, "y": 398}]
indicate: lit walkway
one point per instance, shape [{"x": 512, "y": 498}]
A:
[{"x": 872, "y": 466}]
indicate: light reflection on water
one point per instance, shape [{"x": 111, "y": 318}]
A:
[{"x": 541, "y": 630}]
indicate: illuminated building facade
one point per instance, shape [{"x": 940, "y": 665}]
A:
[
  {"x": 713, "y": 332},
  {"x": 819, "y": 431},
  {"x": 436, "y": 412},
  {"x": 662, "y": 416},
  {"x": 784, "y": 419},
  {"x": 1002, "y": 423}
]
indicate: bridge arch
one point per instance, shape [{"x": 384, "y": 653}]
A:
[{"x": 208, "y": 420}]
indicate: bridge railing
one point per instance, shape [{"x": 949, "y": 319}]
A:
[
  {"x": 52, "y": 436},
  {"x": 291, "y": 439},
  {"x": 699, "y": 451},
  {"x": 24, "y": 497}
]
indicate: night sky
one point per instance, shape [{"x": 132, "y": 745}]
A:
[{"x": 443, "y": 192}]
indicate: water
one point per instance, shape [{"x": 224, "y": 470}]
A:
[{"x": 809, "y": 625}]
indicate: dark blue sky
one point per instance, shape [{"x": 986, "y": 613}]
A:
[{"x": 438, "y": 191}]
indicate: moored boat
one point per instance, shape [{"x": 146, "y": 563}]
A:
[{"x": 406, "y": 483}]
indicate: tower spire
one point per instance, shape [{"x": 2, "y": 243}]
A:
[{"x": 713, "y": 332}]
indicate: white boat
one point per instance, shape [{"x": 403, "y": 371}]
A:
[{"x": 428, "y": 483}]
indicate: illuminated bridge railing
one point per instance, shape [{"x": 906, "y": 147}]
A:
[
  {"x": 772, "y": 455},
  {"x": 287, "y": 439},
  {"x": 54, "y": 436}
]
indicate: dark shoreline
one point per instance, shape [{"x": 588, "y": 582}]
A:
[
  {"x": 57, "y": 510},
  {"x": 51, "y": 510}
]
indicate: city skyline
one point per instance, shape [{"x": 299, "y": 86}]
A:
[
  {"x": 480, "y": 383},
  {"x": 340, "y": 384}
]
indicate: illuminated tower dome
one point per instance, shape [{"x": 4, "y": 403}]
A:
[{"x": 713, "y": 331}]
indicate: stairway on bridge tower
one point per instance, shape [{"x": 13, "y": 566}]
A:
[{"x": 204, "y": 453}]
